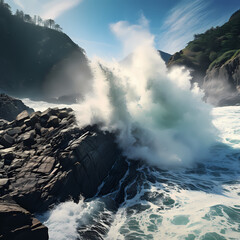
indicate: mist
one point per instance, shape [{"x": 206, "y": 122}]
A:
[
  {"x": 218, "y": 91},
  {"x": 156, "y": 116},
  {"x": 71, "y": 77}
]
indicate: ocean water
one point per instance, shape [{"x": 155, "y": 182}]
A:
[
  {"x": 199, "y": 202},
  {"x": 183, "y": 181}
]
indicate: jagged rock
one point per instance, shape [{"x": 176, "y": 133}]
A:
[
  {"x": 45, "y": 159},
  {"x": 28, "y": 122},
  {"x": 63, "y": 114},
  {"x": 3, "y": 182},
  {"x": 22, "y": 116},
  {"x": 8, "y": 157},
  {"x": 6, "y": 140},
  {"x": 34, "y": 118},
  {"x": 228, "y": 72},
  {"x": 14, "y": 131},
  {"x": 19, "y": 224},
  {"x": 53, "y": 121},
  {"x": 23, "y": 127},
  {"x": 28, "y": 138},
  {"x": 11, "y": 107},
  {"x": 3, "y": 124},
  {"x": 54, "y": 160}
]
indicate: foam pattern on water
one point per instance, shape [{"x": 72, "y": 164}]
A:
[{"x": 202, "y": 202}]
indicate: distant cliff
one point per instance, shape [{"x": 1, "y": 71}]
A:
[
  {"x": 32, "y": 56},
  {"x": 214, "y": 56},
  {"x": 165, "y": 56}
]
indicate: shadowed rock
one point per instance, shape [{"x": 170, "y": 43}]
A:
[
  {"x": 49, "y": 159},
  {"x": 17, "y": 223},
  {"x": 11, "y": 107}
]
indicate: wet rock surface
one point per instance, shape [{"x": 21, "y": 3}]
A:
[
  {"x": 18, "y": 223},
  {"x": 46, "y": 159}
]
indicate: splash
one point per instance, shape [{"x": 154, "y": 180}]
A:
[{"x": 156, "y": 114}]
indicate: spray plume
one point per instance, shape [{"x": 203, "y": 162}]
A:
[{"x": 156, "y": 114}]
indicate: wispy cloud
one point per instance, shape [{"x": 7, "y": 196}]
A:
[
  {"x": 187, "y": 18},
  {"x": 46, "y": 8}
]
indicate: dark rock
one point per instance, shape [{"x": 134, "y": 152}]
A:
[
  {"x": 11, "y": 107},
  {"x": 17, "y": 223},
  {"x": 3, "y": 124},
  {"x": 43, "y": 131},
  {"x": 34, "y": 118},
  {"x": 63, "y": 114},
  {"x": 6, "y": 140},
  {"x": 8, "y": 157},
  {"x": 41, "y": 72},
  {"x": 38, "y": 128},
  {"x": 55, "y": 161},
  {"x": 28, "y": 138},
  {"x": 53, "y": 121},
  {"x": 23, "y": 127},
  {"x": 14, "y": 131},
  {"x": 28, "y": 122},
  {"x": 52, "y": 161}
]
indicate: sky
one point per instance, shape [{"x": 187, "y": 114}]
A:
[{"x": 88, "y": 22}]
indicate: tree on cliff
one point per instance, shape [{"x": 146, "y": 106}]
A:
[
  {"x": 20, "y": 14},
  {"x": 49, "y": 23},
  {"x": 37, "y": 20},
  {"x": 5, "y": 7}
]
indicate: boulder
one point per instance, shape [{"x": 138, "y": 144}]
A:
[
  {"x": 19, "y": 224},
  {"x": 14, "y": 131},
  {"x": 53, "y": 121},
  {"x": 63, "y": 114},
  {"x": 3, "y": 124},
  {"x": 22, "y": 116},
  {"x": 8, "y": 158},
  {"x": 11, "y": 107},
  {"x": 28, "y": 138},
  {"x": 6, "y": 140},
  {"x": 3, "y": 182}
]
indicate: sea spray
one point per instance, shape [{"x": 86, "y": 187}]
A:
[
  {"x": 160, "y": 118},
  {"x": 157, "y": 115}
]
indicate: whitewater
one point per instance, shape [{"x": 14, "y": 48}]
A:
[
  {"x": 182, "y": 179},
  {"x": 197, "y": 198},
  {"x": 201, "y": 202}
]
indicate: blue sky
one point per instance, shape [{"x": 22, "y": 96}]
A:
[{"x": 172, "y": 22}]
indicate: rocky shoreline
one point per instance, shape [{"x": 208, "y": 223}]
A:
[{"x": 45, "y": 158}]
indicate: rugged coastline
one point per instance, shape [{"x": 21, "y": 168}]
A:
[{"x": 45, "y": 158}]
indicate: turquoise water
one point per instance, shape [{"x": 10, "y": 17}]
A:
[{"x": 202, "y": 202}]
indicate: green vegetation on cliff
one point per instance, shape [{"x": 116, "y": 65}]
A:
[{"x": 214, "y": 47}]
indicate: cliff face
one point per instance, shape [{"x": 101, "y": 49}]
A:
[
  {"x": 221, "y": 82},
  {"x": 213, "y": 56},
  {"x": 29, "y": 54},
  {"x": 229, "y": 71}
]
